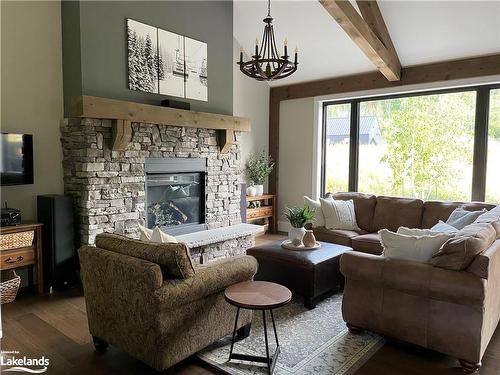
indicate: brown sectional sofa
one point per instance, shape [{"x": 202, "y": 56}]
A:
[
  {"x": 453, "y": 312},
  {"x": 374, "y": 213}
]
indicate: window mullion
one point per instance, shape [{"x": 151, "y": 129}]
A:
[
  {"x": 354, "y": 147},
  {"x": 480, "y": 144}
]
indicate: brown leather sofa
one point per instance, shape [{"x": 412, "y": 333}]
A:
[
  {"x": 374, "y": 213},
  {"x": 450, "y": 311}
]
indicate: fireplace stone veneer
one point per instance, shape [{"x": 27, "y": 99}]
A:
[{"x": 108, "y": 186}]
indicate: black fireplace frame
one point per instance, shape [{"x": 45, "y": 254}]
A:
[{"x": 157, "y": 166}]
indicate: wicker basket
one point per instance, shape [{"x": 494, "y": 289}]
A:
[
  {"x": 9, "y": 287},
  {"x": 16, "y": 240}
]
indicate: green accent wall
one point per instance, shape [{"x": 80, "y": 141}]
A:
[{"x": 95, "y": 47}]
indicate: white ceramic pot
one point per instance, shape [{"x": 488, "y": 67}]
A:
[
  {"x": 251, "y": 191},
  {"x": 295, "y": 235},
  {"x": 260, "y": 189}
]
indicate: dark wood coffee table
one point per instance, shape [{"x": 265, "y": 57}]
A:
[
  {"x": 313, "y": 274},
  {"x": 258, "y": 295}
]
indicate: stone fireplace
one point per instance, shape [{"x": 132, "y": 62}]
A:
[{"x": 171, "y": 176}]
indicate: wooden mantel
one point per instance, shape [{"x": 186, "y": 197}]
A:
[{"x": 124, "y": 113}]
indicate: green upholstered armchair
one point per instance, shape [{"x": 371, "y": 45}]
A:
[{"x": 135, "y": 302}]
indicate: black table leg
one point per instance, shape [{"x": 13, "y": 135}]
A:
[
  {"x": 267, "y": 344},
  {"x": 269, "y": 360},
  {"x": 274, "y": 327},
  {"x": 234, "y": 332}
]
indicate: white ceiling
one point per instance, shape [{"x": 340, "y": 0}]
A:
[{"x": 422, "y": 32}]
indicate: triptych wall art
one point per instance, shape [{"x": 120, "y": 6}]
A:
[{"x": 166, "y": 63}]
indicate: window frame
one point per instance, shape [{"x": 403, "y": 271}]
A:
[{"x": 480, "y": 149}]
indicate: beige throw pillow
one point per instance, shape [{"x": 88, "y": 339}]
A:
[
  {"x": 416, "y": 248},
  {"x": 339, "y": 214},
  {"x": 162, "y": 237},
  {"x": 319, "y": 219},
  {"x": 145, "y": 233}
]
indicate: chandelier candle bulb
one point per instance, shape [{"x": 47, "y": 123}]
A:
[{"x": 286, "y": 48}]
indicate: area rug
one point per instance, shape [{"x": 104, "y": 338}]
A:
[{"x": 311, "y": 342}]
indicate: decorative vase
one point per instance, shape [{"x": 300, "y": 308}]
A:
[
  {"x": 260, "y": 189},
  {"x": 251, "y": 191},
  {"x": 309, "y": 239},
  {"x": 295, "y": 235}
]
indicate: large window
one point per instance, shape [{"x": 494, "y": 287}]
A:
[
  {"x": 425, "y": 145},
  {"x": 493, "y": 174},
  {"x": 336, "y": 147}
]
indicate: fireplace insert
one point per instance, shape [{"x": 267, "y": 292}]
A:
[{"x": 175, "y": 195}]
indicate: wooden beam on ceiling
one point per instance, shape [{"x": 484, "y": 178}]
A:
[
  {"x": 383, "y": 55},
  {"x": 480, "y": 66},
  {"x": 373, "y": 17}
]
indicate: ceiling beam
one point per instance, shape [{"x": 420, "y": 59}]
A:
[
  {"x": 479, "y": 66},
  {"x": 373, "y": 17},
  {"x": 366, "y": 36}
]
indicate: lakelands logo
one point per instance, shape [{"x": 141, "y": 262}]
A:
[{"x": 10, "y": 362}]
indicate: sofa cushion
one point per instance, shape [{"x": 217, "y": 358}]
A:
[
  {"x": 364, "y": 207},
  {"x": 392, "y": 213},
  {"x": 459, "y": 252},
  {"x": 492, "y": 217},
  {"x": 438, "y": 210},
  {"x": 338, "y": 236},
  {"x": 367, "y": 243},
  {"x": 174, "y": 259}
]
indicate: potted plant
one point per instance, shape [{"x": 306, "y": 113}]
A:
[
  {"x": 298, "y": 217},
  {"x": 258, "y": 167}
]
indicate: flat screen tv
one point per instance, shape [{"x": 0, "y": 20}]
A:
[{"x": 16, "y": 159}]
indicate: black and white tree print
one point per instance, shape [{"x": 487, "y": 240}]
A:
[
  {"x": 142, "y": 56},
  {"x": 196, "y": 66},
  {"x": 171, "y": 52},
  {"x": 166, "y": 63}
]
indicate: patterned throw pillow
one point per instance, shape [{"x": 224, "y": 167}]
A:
[{"x": 339, "y": 214}]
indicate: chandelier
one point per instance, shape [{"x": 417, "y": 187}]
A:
[{"x": 267, "y": 64}]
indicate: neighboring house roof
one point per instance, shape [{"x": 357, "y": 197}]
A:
[{"x": 340, "y": 126}]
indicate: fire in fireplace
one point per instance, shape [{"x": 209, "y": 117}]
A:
[{"x": 175, "y": 194}]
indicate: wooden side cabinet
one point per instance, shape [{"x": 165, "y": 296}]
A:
[
  {"x": 267, "y": 210},
  {"x": 26, "y": 256}
]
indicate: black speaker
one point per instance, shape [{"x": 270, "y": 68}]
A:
[{"x": 58, "y": 241}]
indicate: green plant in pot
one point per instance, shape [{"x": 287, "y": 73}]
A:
[
  {"x": 258, "y": 167},
  {"x": 298, "y": 217}
]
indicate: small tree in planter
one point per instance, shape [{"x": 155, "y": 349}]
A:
[
  {"x": 298, "y": 217},
  {"x": 257, "y": 168}
]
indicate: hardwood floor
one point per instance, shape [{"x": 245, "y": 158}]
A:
[{"x": 55, "y": 326}]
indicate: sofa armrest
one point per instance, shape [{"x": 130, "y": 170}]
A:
[
  {"x": 414, "y": 278},
  {"x": 209, "y": 279}
]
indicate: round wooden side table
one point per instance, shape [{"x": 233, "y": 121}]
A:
[{"x": 258, "y": 295}]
